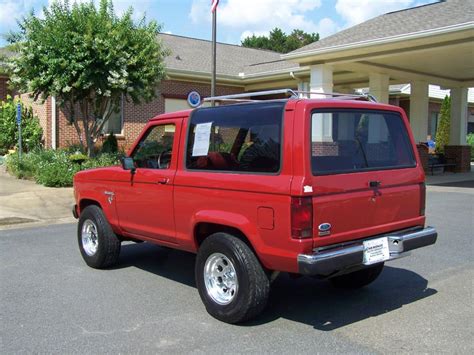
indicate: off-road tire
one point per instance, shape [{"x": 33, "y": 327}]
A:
[
  {"x": 359, "y": 278},
  {"x": 108, "y": 244},
  {"x": 253, "y": 284}
]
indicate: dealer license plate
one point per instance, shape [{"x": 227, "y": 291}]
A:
[{"x": 376, "y": 251}]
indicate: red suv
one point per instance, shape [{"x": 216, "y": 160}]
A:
[{"x": 331, "y": 188}]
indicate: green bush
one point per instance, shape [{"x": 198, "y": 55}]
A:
[
  {"x": 31, "y": 131},
  {"x": 110, "y": 144},
  {"x": 442, "y": 132},
  {"x": 470, "y": 141},
  {"x": 53, "y": 168}
]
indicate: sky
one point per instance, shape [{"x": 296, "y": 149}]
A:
[{"x": 236, "y": 19}]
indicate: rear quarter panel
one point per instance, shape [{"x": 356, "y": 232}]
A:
[{"x": 243, "y": 201}]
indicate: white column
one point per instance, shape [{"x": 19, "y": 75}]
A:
[
  {"x": 378, "y": 86},
  {"x": 54, "y": 123},
  {"x": 303, "y": 86},
  {"x": 458, "y": 116},
  {"x": 321, "y": 79},
  {"x": 419, "y": 104}
]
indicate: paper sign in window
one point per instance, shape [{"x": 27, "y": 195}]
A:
[{"x": 201, "y": 139}]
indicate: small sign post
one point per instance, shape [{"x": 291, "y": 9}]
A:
[{"x": 18, "y": 122}]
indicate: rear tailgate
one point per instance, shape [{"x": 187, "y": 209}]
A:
[{"x": 365, "y": 177}]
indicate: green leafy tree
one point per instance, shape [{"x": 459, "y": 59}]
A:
[
  {"x": 442, "y": 132},
  {"x": 88, "y": 58},
  {"x": 31, "y": 131},
  {"x": 470, "y": 141},
  {"x": 279, "y": 41}
]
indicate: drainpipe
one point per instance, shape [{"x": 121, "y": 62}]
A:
[{"x": 53, "y": 123}]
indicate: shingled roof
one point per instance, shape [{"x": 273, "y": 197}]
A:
[
  {"x": 194, "y": 55},
  {"x": 398, "y": 23}
]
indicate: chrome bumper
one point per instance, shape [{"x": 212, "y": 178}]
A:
[{"x": 337, "y": 258}]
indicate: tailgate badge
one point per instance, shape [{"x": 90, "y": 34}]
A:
[
  {"x": 307, "y": 188},
  {"x": 324, "y": 229}
]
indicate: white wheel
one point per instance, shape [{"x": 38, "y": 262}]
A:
[
  {"x": 89, "y": 237},
  {"x": 220, "y": 278}
]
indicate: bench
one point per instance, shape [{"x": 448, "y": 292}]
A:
[{"x": 437, "y": 161}]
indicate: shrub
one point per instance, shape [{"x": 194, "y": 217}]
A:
[
  {"x": 54, "y": 168},
  {"x": 110, "y": 144},
  {"x": 31, "y": 131},
  {"x": 470, "y": 141},
  {"x": 442, "y": 133}
]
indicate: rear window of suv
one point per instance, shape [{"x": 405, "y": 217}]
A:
[
  {"x": 238, "y": 138},
  {"x": 344, "y": 141}
]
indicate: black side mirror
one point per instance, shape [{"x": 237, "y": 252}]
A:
[{"x": 128, "y": 164}]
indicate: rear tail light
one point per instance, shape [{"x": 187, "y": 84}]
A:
[
  {"x": 422, "y": 198},
  {"x": 301, "y": 217}
]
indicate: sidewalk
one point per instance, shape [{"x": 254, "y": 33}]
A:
[
  {"x": 24, "y": 203},
  {"x": 447, "y": 178}
]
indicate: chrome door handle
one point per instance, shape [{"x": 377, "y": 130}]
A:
[{"x": 163, "y": 181}]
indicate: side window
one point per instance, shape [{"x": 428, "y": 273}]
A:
[
  {"x": 243, "y": 138},
  {"x": 155, "y": 149}
]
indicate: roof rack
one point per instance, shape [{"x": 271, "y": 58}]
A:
[{"x": 292, "y": 94}]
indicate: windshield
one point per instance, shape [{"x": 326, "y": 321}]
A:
[{"x": 345, "y": 141}]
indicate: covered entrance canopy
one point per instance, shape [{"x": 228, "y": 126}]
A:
[{"x": 430, "y": 44}]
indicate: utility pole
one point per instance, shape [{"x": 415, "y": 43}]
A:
[{"x": 213, "y": 61}]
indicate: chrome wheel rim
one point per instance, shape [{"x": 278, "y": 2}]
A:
[
  {"x": 220, "y": 279},
  {"x": 90, "y": 241}
]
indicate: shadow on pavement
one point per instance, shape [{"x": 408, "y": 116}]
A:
[
  {"x": 304, "y": 299},
  {"x": 318, "y": 304},
  {"x": 467, "y": 184}
]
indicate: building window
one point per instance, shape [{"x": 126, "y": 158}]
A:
[
  {"x": 433, "y": 124},
  {"x": 115, "y": 122}
]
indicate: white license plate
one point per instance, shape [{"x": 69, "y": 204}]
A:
[{"x": 376, "y": 251}]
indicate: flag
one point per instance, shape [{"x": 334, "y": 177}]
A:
[{"x": 214, "y": 4}]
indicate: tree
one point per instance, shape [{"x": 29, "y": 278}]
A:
[
  {"x": 88, "y": 58},
  {"x": 279, "y": 41},
  {"x": 30, "y": 127},
  {"x": 444, "y": 125}
]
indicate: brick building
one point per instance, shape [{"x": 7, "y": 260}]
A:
[{"x": 400, "y": 57}]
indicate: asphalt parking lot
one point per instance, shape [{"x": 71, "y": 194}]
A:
[{"x": 51, "y": 302}]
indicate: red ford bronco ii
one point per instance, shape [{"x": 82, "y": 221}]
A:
[{"x": 324, "y": 187}]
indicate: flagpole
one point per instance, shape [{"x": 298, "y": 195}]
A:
[{"x": 213, "y": 62}]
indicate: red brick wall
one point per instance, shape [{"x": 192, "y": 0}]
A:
[
  {"x": 136, "y": 116},
  {"x": 43, "y": 111},
  {"x": 325, "y": 149},
  {"x": 3, "y": 87},
  {"x": 424, "y": 156},
  {"x": 461, "y": 155}
]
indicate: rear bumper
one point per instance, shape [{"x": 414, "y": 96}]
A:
[{"x": 337, "y": 258}]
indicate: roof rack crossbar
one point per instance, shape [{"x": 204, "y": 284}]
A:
[
  {"x": 248, "y": 95},
  {"x": 339, "y": 95},
  {"x": 293, "y": 94}
]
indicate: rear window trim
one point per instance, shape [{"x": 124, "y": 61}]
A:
[
  {"x": 363, "y": 170},
  {"x": 188, "y": 132}
]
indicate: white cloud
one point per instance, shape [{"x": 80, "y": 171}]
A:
[
  {"x": 354, "y": 12},
  {"x": 11, "y": 10},
  {"x": 247, "y": 33},
  {"x": 260, "y": 16}
]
